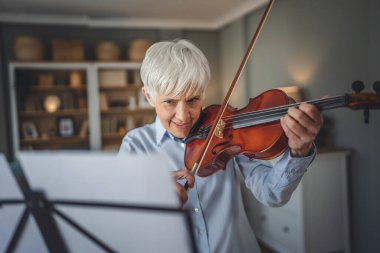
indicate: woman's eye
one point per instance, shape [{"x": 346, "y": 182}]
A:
[
  {"x": 193, "y": 100},
  {"x": 169, "y": 102}
]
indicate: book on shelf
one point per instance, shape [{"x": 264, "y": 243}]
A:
[
  {"x": 112, "y": 78},
  {"x": 32, "y": 103},
  {"x": 137, "y": 78},
  {"x": 103, "y": 101},
  {"x": 68, "y": 101},
  {"x": 109, "y": 126},
  {"x": 130, "y": 123}
]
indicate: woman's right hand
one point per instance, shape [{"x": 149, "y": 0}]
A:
[{"x": 181, "y": 191}]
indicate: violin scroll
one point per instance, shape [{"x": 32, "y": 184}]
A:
[{"x": 364, "y": 100}]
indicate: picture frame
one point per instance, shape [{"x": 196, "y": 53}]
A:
[
  {"x": 66, "y": 127},
  {"x": 29, "y": 131}
]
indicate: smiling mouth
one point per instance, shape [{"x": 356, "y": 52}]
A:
[{"x": 181, "y": 126}]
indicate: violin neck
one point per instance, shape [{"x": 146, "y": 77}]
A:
[
  {"x": 275, "y": 113},
  {"x": 329, "y": 103}
]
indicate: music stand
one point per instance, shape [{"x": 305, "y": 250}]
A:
[{"x": 97, "y": 202}]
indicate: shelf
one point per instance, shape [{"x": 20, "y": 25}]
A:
[
  {"x": 58, "y": 88},
  {"x": 49, "y": 65},
  {"x": 118, "y": 65},
  {"x": 62, "y": 113},
  {"x": 56, "y": 140},
  {"x": 114, "y": 111},
  {"x": 129, "y": 87},
  {"x": 111, "y": 137}
]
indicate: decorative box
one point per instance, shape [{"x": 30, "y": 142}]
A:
[
  {"x": 137, "y": 49},
  {"x": 108, "y": 51},
  {"x": 112, "y": 78},
  {"x": 45, "y": 80},
  {"x": 68, "y": 50},
  {"x": 27, "y": 48}
]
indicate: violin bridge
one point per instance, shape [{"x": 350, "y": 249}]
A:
[{"x": 220, "y": 129}]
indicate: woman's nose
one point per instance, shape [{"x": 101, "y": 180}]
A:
[{"x": 182, "y": 112}]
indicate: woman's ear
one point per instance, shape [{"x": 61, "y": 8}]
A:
[{"x": 148, "y": 97}]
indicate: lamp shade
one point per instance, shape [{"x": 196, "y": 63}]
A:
[
  {"x": 293, "y": 92},
  {"x": 52, "y": 103}
]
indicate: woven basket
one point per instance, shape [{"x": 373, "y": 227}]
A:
[
  {"x": 108, "y": 51},
  {"x": 26, "y": 48},
  {"x": 137, "y": 49},
  {"x": 68, "y": 50}
]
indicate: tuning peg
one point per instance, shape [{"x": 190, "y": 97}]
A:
[
  {"x": 376, "y": 87},
  {"x": 357, "y": 86}
]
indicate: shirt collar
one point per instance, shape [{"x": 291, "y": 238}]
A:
[{"x": 162, "y": 133}]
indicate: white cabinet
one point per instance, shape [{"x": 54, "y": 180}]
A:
[{"x": 316, "y": 217}]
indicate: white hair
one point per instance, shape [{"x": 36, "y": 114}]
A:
[{"x": 174, "y": 68}]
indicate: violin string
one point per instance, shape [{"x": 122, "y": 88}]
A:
[
  {"x": 285, "y": 107},
  {"x": 325, "y": 103},
  {"x": 276, "y": 113},
  {"x": 271, "y": 115}
]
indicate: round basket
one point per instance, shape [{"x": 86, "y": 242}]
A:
[
  {"x": 108, "y": 51},
  {"x": 137, "y": 49},
  {"x": 26, "y": 48}
]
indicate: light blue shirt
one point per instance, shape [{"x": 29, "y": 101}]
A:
[{"x": 219, "y": 220}]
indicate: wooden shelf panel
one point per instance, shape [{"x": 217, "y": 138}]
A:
[
  {"x": 62, "y": 113},
  {"x": 56, "y": 140},
  {"x": 58, "y": 88},
  {"x": 128, "y": 87},
  {"x": 115, "y": 111},
  {"x": 111, "y": 137}
]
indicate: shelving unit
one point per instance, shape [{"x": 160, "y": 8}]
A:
[
  {"x": 121, "y": 105},
  {"x": 38, "y": 127}
]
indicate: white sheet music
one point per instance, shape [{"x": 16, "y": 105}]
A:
[
  {"x": 100, "y": 176},
  {"x": 83, "y": 176}
]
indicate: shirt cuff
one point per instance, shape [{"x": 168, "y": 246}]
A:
[
  {"x": 295, "y": 167},
  {"x": 312, "y": 153}
]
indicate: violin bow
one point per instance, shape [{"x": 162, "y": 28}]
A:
[{"x": 227, "y": 98}]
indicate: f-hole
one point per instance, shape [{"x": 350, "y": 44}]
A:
[{"x": 221, "y": 144}]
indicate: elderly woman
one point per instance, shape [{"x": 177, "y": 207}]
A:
[{"x": 175, "y": 75}]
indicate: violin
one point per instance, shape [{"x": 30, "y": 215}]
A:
[{"x": 255, "y": 130}]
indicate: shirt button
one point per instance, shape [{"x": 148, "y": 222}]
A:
[
  {"x": 196, "y": 210},
  {"x": 183, "y": 145}
]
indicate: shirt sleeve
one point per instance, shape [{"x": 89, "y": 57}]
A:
[
  {"x": 130, "y": 145},
  {"x": 273, "y": 182}
]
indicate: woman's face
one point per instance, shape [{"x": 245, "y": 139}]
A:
[{"x": 177, "y": 114}]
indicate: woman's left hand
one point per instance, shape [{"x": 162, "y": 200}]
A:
[{"x": 301, "y": 126}]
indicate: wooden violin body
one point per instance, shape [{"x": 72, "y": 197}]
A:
[{"x": 241, "y": 133}]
